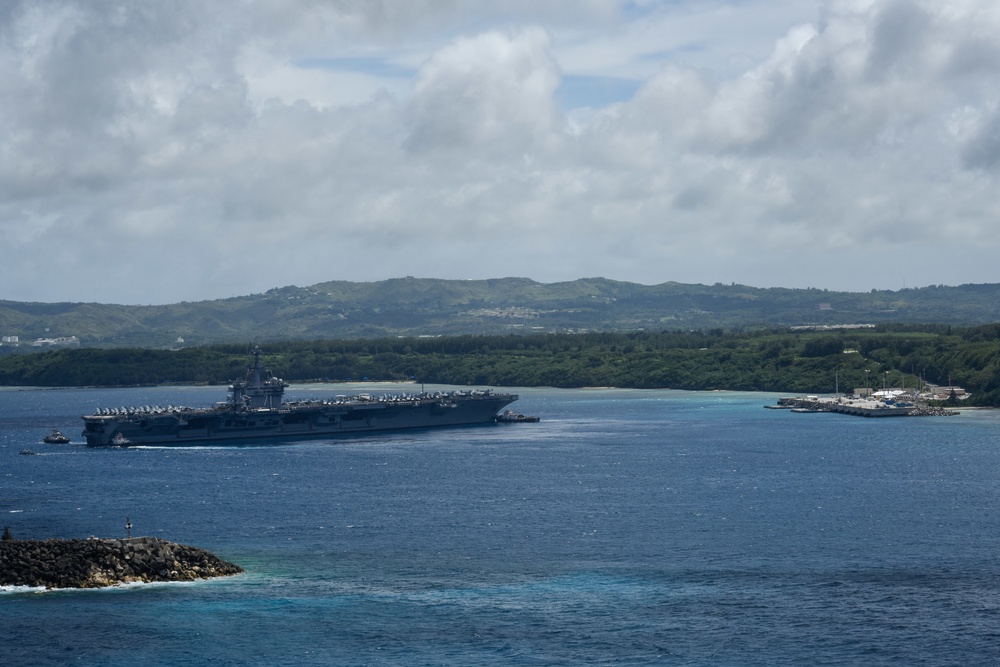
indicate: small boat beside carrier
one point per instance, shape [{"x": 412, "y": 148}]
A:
[
  {"x": 56, "y": 438},
  {"x": 511, "y": 417}
]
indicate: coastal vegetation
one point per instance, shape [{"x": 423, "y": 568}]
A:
[{"x": 780, "y": 360}]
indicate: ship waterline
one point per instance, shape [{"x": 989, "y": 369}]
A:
[{"x": 256, "y": 413}]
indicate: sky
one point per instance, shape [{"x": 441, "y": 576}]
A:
[{"x": 158, "y": 152}]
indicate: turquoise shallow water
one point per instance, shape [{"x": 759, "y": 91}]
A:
[{"x": 628, "y": 527}]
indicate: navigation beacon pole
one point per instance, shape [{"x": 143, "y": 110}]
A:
[{"x": 128, "y": 527}]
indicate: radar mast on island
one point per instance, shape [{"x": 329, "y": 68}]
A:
[{"x": 259, "y": 388}]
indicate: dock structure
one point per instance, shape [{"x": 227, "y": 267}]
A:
[{"x": 860, "y": 407}]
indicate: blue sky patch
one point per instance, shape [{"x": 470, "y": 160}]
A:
[
  {"x": 373, "y": 66},
  {"x": 577, "y": 91}
]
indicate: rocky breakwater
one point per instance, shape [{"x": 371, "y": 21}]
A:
[{"x": 95, "y": 563}]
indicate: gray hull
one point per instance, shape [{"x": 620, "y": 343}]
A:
[{"x": 292, "y": 421}]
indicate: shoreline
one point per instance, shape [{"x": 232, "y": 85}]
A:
[{"x": 18, "y": 589}]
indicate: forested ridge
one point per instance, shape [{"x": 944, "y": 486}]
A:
[
  {"x": 423, "y": 306},
  {"x": 768, "y": 360}
]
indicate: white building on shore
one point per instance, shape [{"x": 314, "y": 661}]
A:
[{"x": 62, "y": 341}]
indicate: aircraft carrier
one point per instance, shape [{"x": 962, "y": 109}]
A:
[{"x": 255, "y": 413}]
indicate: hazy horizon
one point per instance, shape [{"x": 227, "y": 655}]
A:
[{"x": 292, "y": 286}]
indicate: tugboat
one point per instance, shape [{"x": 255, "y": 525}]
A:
[
  {"x": 56, "y": 438},
  {"x": 511, "y": 417}
]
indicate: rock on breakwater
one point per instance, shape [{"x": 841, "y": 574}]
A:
[{"x": 95, "y": 563}]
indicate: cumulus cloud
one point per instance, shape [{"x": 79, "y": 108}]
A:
[
  {"x": 155, "y": 153},
  {"x": 492, "y": 89}
]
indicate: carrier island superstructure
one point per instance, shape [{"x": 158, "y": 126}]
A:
[{"x": 255, "y": 412}]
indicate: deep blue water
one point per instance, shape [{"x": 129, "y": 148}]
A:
[{"x": 627, "y": 528}]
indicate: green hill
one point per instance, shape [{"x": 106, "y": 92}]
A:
[{"x": 431, "y": 307}]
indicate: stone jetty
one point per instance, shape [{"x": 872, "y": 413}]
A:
[{"x": 95, "y": 563}]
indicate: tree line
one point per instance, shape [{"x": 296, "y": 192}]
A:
[{"x": 764, "y": 360}]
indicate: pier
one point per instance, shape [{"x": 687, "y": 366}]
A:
[{"x": 859, "y": 407}]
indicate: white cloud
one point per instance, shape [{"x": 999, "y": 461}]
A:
[
  {"x": 210, "y": 149},
  {"x": 492, "y": 90}
]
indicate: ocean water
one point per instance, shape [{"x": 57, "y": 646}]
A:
[{"x": 627, "y": 528}]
